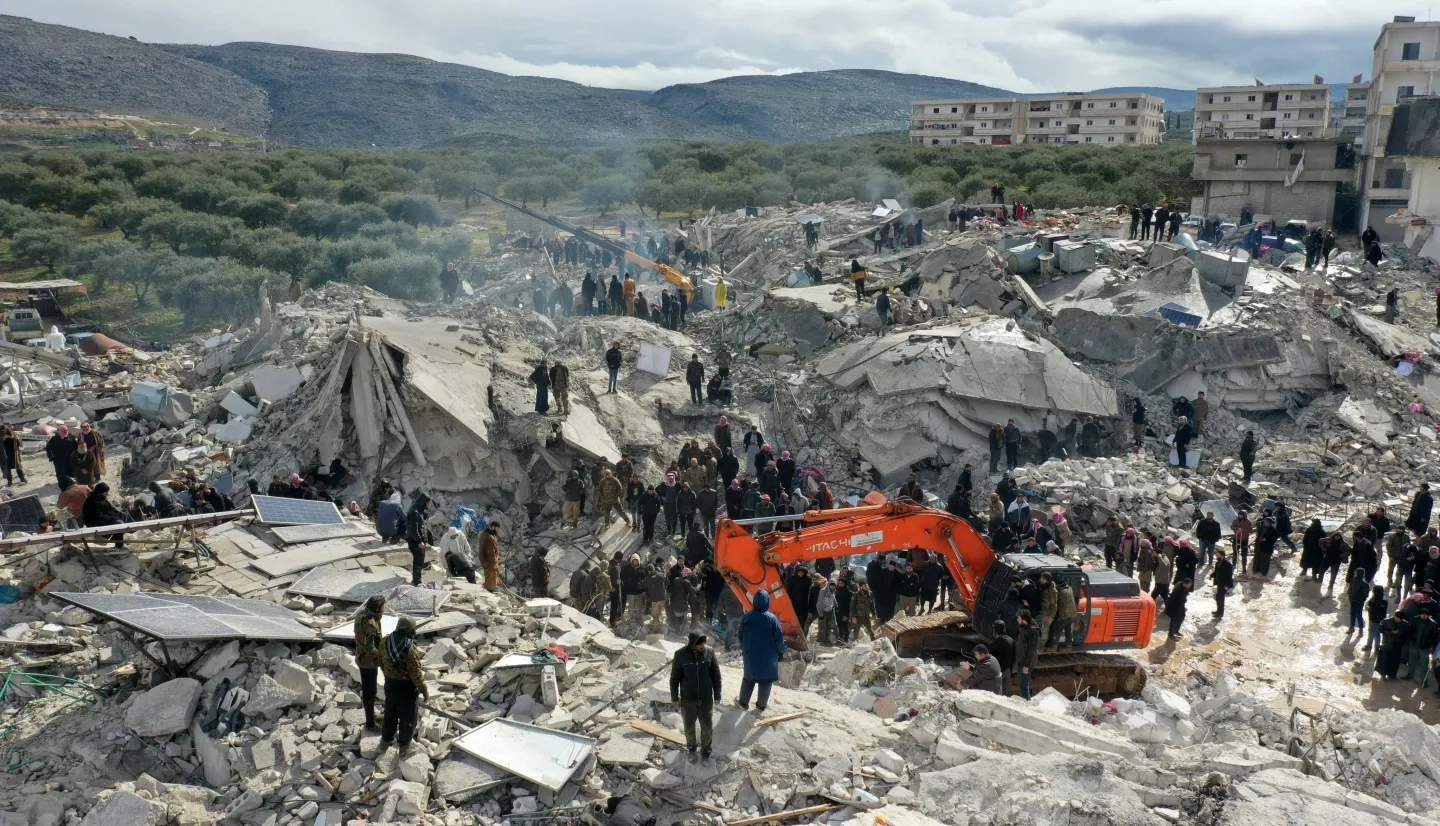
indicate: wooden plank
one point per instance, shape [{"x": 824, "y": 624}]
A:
[
  {"x": 663, "y": 732},
  {"x": 759, "y": 790},
  {"x": 770, "y": 721},
  {"x": 786, "y": 815}
]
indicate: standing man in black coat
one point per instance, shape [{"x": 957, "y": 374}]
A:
[
  {"x": 1224, "y": 578},
  {"x": 1184, "y": 434},
  {"x": 695, "y": 685},
  {"x": 1175, "y": 607},
  {"x": 1419, "y": 519},
  {"x": 695, "y": 377},
  {"x": 1002, "y": 648}
]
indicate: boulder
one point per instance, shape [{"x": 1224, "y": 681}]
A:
[{"x": 164, "y": 709}]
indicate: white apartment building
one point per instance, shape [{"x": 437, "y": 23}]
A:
[
  {"x": 1286, "y": 111},
  {"x": 1406, "y": 64},
  {"x": 1103, "y": 119},
  {"x": 1351, "y": 112},
  {"x": 988, "y": 121}
]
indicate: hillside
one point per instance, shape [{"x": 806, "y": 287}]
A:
[
  {"x": 326, "y": 98},
  {"x": 809, "y": 105},
  {"x": 62, "y": 66}
]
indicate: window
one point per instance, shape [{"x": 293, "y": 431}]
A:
[
  {"x": 1131, "y": 138},
  {"x": 953, "y": 141},
  {"x": 1295, "y": 158},
  {"x": 1112, "y": 121},
  {"x": 1249, "y": 116},
  {"x": 1241, "y": 160},
  {"x": 1394, "y": 179},
  {"x": 1111, "y": 139},
  {"x": 937, "y": 110},
  {"x": 1410, "y": 51},
  {"x": 1089, "y": 123},
  {"x": 1130, "y": 122},
  {"x": 934, "y": 141},
  {"x": 1113, "y": 104},
  {"x": 984, "y": 125},
  {"x": 1211, "y": 100},
  {"x": 1058, "y": 123},
  {"x": 1227, "y": 98},
  {"x": 1089, "y": 106},
  {"x": 1252, "y": 98},
  {"x": 1405, "y": 92},
  {"x": 1088, "y": 140},
  {"x": 1287, "y": 116},
  {"x": 1290, "y": 97},
  {"x": 1312, "y": 116},
  {"x": 1225, "y": 116}
]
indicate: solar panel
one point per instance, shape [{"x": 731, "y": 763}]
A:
[
  {"x": 180, "y": 617},
  {"x": 346, "y": 586},
  {"x": 277, "y": 510},
  {"x": 295, "y": 534},
  {"x": 22, "y": 513}
]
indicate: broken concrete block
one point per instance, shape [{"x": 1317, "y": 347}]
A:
[
  {"x": 238, "y": 407},
  {"x": 218, "y": 660},
  {"x": 296, "y": 679},
  {"x": 416, "y": 767},
  {"x": 269, "y": 695},
  {"x": 1019, "y": 713},
  {"x": 212, "y": 757},
  {"x": 549, "y": 687},
  {"x": 411, "y": 798},
  {"x": 273, "y": 383},
  {"x": 660, "y": 779},
  {"x": 164, "y": 709},
  {"x": 125, "y": 809},
  {"x": 161, "y": 403}
]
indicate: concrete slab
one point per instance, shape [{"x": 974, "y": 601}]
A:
[
  {"x": 582, "y": 431},
  {"x": 275, "y": 383},
  {"x": 1020, "y": 713},
  {"x": 313, "y": 554}
]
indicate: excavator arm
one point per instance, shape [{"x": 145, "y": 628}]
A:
[
  {"x": 749, "y": 564},
  {"x": 674, "y": 276}
]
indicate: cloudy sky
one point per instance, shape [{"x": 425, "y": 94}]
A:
[{"x": 1021, "y": 45}]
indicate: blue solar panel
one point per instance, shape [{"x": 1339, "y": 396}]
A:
[{"x": 276, "y": 510}]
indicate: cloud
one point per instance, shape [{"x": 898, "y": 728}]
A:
[{"x": 1023, "y": 45}]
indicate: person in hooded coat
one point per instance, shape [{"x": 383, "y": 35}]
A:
[
  {"x": 786, "y": 468},
  {"x": 541, "y": 379},
  {"x": 368, "y": 641},
  {"x": 390, "y": 518},
  {"x": 734, "y": 499},
  {"x": 404, "y": 686},
  {"x": 418, "y": 536},
  {"x": 762, "y": 644},
  {"x": 1312, "y": 555},
  {"x": 1419, "y": 519}
]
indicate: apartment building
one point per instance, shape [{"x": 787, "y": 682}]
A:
[
  {"x": 1102, "y": 119},
  {"x": 1292, "y": 179},
  {"x": 990, "y": 121},
  {"x": 1406, "y": 60},
  {"x": 1272, "y": 112},
  {"x": 1349, "y": 121}
]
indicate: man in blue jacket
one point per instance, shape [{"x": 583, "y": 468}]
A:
[{"x": 762, "y": 644}]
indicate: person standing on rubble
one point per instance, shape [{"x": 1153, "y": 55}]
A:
[
  {"x": 1200, "y": 408},
  {"x": 1146, "y": 212},
  {"x": 857, "y": 277},
  {"x": 490, "y": 556},
  {"x": 367, "y": 652},
  {"x": 560, "y": 383},
  {"x": 695, "y": 377},
  {"x": 1223, "y": 575},
  {"x": 1392, "y": 305},
  {"x": 539, "y": 574},
  {"x": 670, "y": 499},
  {"x": 1175, "y": 219},
  {"x": 1027, "y": 651},
  {"x": 728, "y": 467},
  {"x": 1175, "y": 607},
  {"x": 1313, "y": 240},
  {"x": 882, "y": 307},
  {"x": 1327, "y": 246},
  {"x": 404, "y": 686},
  {"x": 612, "y": 365},
  {"x": 1134, "y": 222},
  {"x": 1208, "y": 532},
  {"x": 682, "y": 306},
  {"x": 695, "y": 685},
  {"x": 655, "y": 593},
  {"x": 620, "y": 301},
  {"x": 418, "y": 536},
  {"x": 762, "y": 644},
  {"x": 1394, "y": 633},
  {"x": 609, "y": 493},
  {"x": 587, "y": 294},
  {"x": 1184, "y": 434},
  {"x": 1012, "y": 444},
  {"x": 11, "y": 454},
  {"x": 540, "y": 377},
  {"x": 648, "y": 506},
  {"x": 1418, "y": 521},
  {"x": 60, "y": 448},
  {"x": 1162, "y": 218},
  {"x": 997, "y": 444},
  {"x": 450, "y": 282},
  {"x": 753, "y": 443}
]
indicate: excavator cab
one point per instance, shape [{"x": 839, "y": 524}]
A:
[{"x": 1111, "y": 610}]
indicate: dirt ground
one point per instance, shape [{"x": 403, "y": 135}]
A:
[{"x": 1286, "y": 638}]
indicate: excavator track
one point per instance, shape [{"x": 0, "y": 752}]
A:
[{"x": 1072, "y": 673}]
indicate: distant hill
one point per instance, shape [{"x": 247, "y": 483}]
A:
[
  {"x": 315, "y": 97},
  {"x": 809, "y": 105},
  {"x": 61, "y": 66}
]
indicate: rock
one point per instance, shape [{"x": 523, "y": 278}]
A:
[
  {"x": 269, "y": 695},
  {"x": 411, "y": 798},
  {"x": 884, "y": 708},
  {"x": 126, "y": 809},
  {"x": 212, "y": 757},
  {"x": 416, "y": 767},
  {"x": 164, "y": 709},
  {"x": 218, "y": 660},
  {"x": 296, "y": 679},
  {"x": 660, "y": 779},
  {"x": 308, "y": 810}
]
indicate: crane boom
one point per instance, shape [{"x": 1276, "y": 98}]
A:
[{"x": 669, "y": 273}]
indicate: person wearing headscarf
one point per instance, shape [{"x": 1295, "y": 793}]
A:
[
  {"x": 84, "y": 466},
  {"x": 11, "y": 455},
  {"x": 59, "y": 449},
  {"x": 765, "y": 507},
  {"x": 390, "y": 518},
  {"x": 770, "y": 480},
  {"x": 71, "y": 502},
  {"x": 722, "y": 434},
  {"x": 99, "y": 512},
  {"x": 368, "y": 640},
  {"x": 95, "y": 443},
  {"x": 764, "y": 458},
  {"x": 417, "y": 535},
  {"x": 404, "y": 686},
  {"x": 490, "y": 556},
  {"x": 1128, "y": 552},
  {"x": 1312, "y": 554},
  {"x": 786, "y": 468},
  {"x": 669, "y": 492}
]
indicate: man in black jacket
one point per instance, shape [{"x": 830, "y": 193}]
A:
[
  {"x": 612, "y": 364},
  {"x": 1184, "y": 434},
  {"x": 1175, "y": 607},
  {"x": 1419, "y": 519},
  {"x": 909, "y": 590},
  {"x": 695, "y": 377},
  {"x": 695, "y": 685},
  {"x": 1224, "y": 578},
  {"x": 1247, "y": 454},
  {"x": 1002, "y": 648},
  {"x": 1207, "y": 530}
]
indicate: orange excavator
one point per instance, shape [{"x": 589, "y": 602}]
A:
[{"x": 1113, "y": 613}]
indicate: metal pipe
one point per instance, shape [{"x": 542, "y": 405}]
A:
[{"x": 127, "y": 527}]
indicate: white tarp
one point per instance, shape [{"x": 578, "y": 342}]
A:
[{"x": 653, "y": 359}]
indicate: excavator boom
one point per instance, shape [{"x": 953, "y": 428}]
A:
[{"x": 674, "y": 276}]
